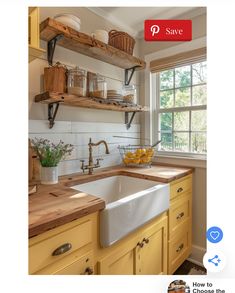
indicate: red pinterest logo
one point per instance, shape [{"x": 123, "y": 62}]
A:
[{"x": 168, "y": 30}]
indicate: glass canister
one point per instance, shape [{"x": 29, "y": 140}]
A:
[
  {"x": 129, "y": 94},
  {"x": 97, "y": 87},
  {"x": 76, "y": 84}
]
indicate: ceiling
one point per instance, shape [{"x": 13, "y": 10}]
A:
[{"x": 131, "y": 19}]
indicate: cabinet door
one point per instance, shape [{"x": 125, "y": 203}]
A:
[
  {"x": 151, "y": 258},
  {"x": 83, "y": 266},
  {"x": 180, "y": 247},
  {"x": 120, "y": 262}
]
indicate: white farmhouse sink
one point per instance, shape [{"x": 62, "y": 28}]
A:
[{"x": 130, "y": 202}]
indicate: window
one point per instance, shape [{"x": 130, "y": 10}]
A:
[{"x": 181, "y": 109}]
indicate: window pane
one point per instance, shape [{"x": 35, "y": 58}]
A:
[
  {"x": 181, "y": 120},
  {"x": 182, "y": 97},
  {"x": 199, "y": 95},
  {"x": 182, "y": 76},
  {"x": 166, "y": 121},
  {"x": 198, "y": 141},
  {"x": 166, "y": 143},
  {"x": 199, "y": 72},
  {"x": 166, "y": 99},
  {"x": 198, "y": 120},
  {"x": 181, "y": 142},
  {"x": 166, "y": 80}
]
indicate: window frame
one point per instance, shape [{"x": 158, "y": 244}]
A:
[{"x": 156, "y": 114}]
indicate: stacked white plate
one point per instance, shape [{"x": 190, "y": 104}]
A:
[{"x": 114, "y": 95}]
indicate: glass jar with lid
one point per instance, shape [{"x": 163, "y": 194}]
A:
[
  {"x": 129, "y": 94},
  {"x": 76, "y": 84},
  {"x": 97, "y": 86}
]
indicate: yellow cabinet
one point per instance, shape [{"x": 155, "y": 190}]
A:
[
  {"x": 145, "y": 253},
  {"x": 120, "y": 262},
  {"x": 84, "y": 265},
  {"x": 62, "y": 247},
  {"x": 180, "y": 223},
  {"x": 34, "y": 34},
  {"x": 179, "y": 248},
  {"x": 151, "y": 252}
]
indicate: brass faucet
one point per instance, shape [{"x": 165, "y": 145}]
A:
[{"x": 91, "y": 164}]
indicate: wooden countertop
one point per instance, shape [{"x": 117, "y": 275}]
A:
[{"x": 55, "y": 205}]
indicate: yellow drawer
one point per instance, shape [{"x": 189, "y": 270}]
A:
[
  {"x": 83, "y": 266},
  {"x": 181, "y": 186},
  {"x": 179, "y": 248},
  {"x": 180, "y": 211},
  {"x": 59, "y": 245}
]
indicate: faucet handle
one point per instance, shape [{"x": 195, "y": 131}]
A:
[
  {"x": 82, "y": 167},
  {"x": 98, "y": 160}
]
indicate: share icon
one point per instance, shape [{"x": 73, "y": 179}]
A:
[{"x": 215, "y": 260}]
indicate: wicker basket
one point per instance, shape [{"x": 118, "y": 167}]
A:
[
  {"x": 121, "y": 41},
  {"x": 136, "y": 155}
]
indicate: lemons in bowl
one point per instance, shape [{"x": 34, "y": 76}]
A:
[{"x": 139, "y": 156}]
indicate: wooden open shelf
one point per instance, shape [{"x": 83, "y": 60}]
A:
[
  {"x": 86, "y": 102},
  {"x": 85, "y": 44}
]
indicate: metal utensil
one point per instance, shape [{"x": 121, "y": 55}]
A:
[{"x": 156, "y": 143}]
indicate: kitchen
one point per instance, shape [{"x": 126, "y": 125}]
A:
[{"x": 117, "y": 233}]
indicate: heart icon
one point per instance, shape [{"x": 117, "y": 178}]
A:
[{"x": 214, "y": 235}]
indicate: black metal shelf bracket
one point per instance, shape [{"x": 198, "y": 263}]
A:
[
  {"x": 52, "y": 111},
  {"x": 127, "y": 121},
  {"x": 51, "y": 48},
  {"x": 127, "y": 77}
]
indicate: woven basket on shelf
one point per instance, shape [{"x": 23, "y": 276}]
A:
[{"x": 121, "y": 41}]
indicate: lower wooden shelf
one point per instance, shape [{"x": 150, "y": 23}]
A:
[
  {"x": 54, "y": 98},
  {"x": 86, "y": 102}
]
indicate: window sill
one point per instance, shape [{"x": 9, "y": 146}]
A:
[{"x": 196, "y": 162}]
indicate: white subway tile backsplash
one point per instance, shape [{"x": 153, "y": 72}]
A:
[
  {"x": 89, "y": 127},
  {"x": 41, "y": 126},
  {"x": 78, "y": 134}
]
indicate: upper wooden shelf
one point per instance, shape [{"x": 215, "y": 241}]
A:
[
  {"x": 85, "y": 44},
  {"x": 85, "y": 102}
]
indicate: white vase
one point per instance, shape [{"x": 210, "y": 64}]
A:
[{"x": 49, "y": 175}]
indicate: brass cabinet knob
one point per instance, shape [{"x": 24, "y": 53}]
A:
[
  {"x": 180, "y": 189},
  {"x": 180, "y": 247},
  {"x": 62, "y": 249},
  {"x": 88, "y": 271},
  {"x": 140, "y": 244},
  {"x": 146, "y": 240},
  {"x": 179, "y": 216}
]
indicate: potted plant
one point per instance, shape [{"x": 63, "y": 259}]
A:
[{"x": 50, "y": 155}]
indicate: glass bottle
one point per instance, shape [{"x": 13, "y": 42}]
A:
[
  {"x": 76, "y": 84},
  {"x": 129, "y": 94},
  {"x": 98, "y": 87}
]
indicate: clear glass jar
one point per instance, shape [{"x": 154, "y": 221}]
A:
[
  {"x": 98, "y": 87},
  {"x": 129, "y": 94},
  {"x": 76, "y": 84}
]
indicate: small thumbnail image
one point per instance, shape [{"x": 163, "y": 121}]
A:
[{"x": 178, "y": 286}]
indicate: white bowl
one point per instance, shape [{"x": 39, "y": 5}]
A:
[{"x": 70, "y": 20}]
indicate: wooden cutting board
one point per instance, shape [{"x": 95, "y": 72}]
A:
[{"x": 34, "y": 164}]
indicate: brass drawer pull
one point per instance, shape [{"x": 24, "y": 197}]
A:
[
  {"x": 140, "y": 244},
  {"x": 180, "y": 189},
  {"x": 62, "y": 249},
  {"x": 88, "y": 271},
  {"x": 180, "y": 216},
  {"x": 146, "y": 240},
  {"x": 180, "y": 247}
]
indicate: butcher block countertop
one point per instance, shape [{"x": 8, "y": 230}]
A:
[{"x": 54, "y": 205}]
